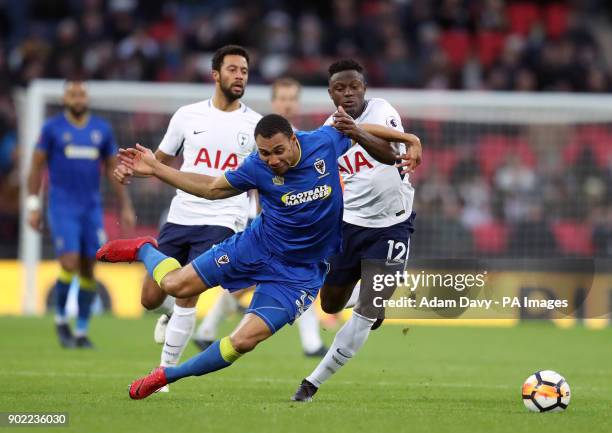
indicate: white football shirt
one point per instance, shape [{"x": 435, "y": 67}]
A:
[
  {"x": 375, "y": 194},
  {"x": 212, "y": 141}
]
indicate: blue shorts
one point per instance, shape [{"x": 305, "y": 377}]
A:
[
  {"x": 269, "y": 310},
  {"x": 241, "y": 261},
  {"x": 363, "y": 243},
  {"x": 76, "y": 230},
  {"x": 185, "y": 243}
]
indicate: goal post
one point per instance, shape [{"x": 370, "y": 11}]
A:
[{"x": 490, "y": 128}]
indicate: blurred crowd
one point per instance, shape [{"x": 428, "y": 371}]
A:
[{"x": 432, "y": 44}]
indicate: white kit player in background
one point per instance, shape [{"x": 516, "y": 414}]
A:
[
  {"x": 214, "y": 135},
  {"x": 285, "y": 101},
  {"x": 377, "y": 222}
]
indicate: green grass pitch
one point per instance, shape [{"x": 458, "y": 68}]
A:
[{"x": 429, "y": 379}]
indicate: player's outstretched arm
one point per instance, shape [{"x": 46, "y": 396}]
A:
[
  {"x": 128, "y": 216},
  {"x": 142, "y": 161},
  {"x": 33, "y": 204},
  {"x": 414, "y": 153},
  {"x": 379, "y": 148},
  {"x": 123, "y": 174}
]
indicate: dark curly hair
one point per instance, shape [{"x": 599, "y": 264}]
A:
[{"x": 344, "y": 65}]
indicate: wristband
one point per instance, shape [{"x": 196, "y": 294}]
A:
[{"x": 33, "y": 203}]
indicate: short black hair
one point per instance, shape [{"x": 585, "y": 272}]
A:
[
  {"x": 272, "y": 124},
  {"x": 344, "y": 65},
  {"x": 228, "y": 50}
]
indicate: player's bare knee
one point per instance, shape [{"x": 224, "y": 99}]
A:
[
  {"x": 172, "y": 284},
  {"x": 70, "y": 263},
  {"x": 150, "y": 302},
  {"x": 244, "y": 343},
  {"x": 151, "y": 296}
]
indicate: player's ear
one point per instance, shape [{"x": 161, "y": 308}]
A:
[{"x": 215, "y": 75}]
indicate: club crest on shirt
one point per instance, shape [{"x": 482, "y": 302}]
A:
[
  {"x": 223, "y": 260},
  {"x": 66, "y": 137},
  {"x": 96, "y": 137},
  {"x": 243, "y": 140},
  {"x": 278, "y": 180},
  {"x": 319, "y": 165}
]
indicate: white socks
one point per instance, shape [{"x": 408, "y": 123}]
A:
[
  {"x": 225, "y": 305},
  {"x": 347, "y": 342},
  {"x": 308, "y": 325},
  {"x": 179, "y": 330}
]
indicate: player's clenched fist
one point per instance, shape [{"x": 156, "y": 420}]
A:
[
  {"x": 343, "y": 122},
  {"x": 412, "y": 158}
]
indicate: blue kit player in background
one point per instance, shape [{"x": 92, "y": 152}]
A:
[
  {"x": 75, "y": 145},
  {"x": 282, "y": 252}
]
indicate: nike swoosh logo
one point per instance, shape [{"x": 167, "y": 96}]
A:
[
  {"x": 198, "y": 132},
  {"x": 342, "y": 354},
  {"x": 170, "y": 345}
]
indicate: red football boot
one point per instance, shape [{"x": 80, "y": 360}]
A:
[
  {"x": 123, "y": 250},
  {"x": 145, "y": 386}
]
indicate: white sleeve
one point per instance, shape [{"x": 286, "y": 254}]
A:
[
  {"x": 329, "y": 121},
  {"x": 174, "y": 137},
  {"x": 384, "y": 114}
]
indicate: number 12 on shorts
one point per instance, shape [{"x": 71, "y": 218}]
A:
[{"x": 397, "y": 252}]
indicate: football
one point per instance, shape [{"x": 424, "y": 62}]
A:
[{"x": 546, "y": 391}]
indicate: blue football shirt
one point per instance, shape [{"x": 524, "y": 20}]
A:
[
  {"x": 74, "y": 156},
  {"x": 302, "y": 210}
]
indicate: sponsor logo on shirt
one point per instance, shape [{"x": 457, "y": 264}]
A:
[
  {"x": 319, "y": 193},
  {"x": 359, "y": 162},
  {"x": 72, "y": 151},
  {"x": 219, "y": 160}
]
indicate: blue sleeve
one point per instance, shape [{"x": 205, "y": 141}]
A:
[
  {"x": 243, "y": 178},
  {"x": 109, "y": 145},
  {"x": 45, "y": 141},
  {"x": 341, "y": 142}
]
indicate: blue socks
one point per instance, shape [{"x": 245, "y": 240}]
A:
[
  {"x": 157, "y": 263},
  {"x": 61, "y": 296},
  {"x": 218, "y": 355},
  {"x": 151, "y": 257},
  {"x": 87, "y": 293},
  {"x": 85, "y": 299}
]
